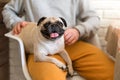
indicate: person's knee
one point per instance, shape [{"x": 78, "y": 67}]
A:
[
  {"x": 50, "y": 76},
  {"x": 45, "y": 70}
]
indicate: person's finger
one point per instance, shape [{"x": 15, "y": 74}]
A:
[
  {"x": 67, "y": 37},
  {"x": 23, "y": 24},
  {"x": 70, "y": 39},
  {"x": 72, "y": 42},
  {"x": 15, "y": 30},
  {"x": 18, "y": 29},
  {"x": 67, "y": 34}
]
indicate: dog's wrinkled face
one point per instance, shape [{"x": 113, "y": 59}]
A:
[{"x": 52, "y": 27}]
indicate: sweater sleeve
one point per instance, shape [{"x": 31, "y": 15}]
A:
[
  {"x": 87, "y": 20},
  {"x": 11, "y": 13}
]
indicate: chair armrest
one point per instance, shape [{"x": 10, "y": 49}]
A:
[
  {"x": 112, "y": 39},
  {"x": 117, "y": 63},
  {"x": 117, "y": 66},
  {"x": 113, "y": 47},
  {"x": 22, "y": 53}
]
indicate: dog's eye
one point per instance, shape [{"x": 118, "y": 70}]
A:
[
  {"x": 59, "y": 23},
  {"x": 47, "y": 24}
]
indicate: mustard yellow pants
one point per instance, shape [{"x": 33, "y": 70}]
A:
[{"x": 90, "y": 62}]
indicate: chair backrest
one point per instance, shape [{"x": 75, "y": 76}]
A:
[{"x": 22, "y": 53}]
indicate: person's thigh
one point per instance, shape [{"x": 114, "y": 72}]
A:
[
  {"x": 91, "y": 62},
  {"x": 45, "y": 70}
]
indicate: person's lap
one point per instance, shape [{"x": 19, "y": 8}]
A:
[{"x": 90, "y": 62}]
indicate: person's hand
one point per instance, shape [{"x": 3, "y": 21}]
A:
[
  {"x": 71, "y": 36},
  {"x": 17, "y": 28}
]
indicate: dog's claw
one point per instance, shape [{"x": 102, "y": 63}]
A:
[{"x": 64, "y": 69}]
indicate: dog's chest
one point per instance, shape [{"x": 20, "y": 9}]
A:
[{"x": 54, "y": 47}]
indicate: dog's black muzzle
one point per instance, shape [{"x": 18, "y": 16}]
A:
[{"x": 53, "y": 31}]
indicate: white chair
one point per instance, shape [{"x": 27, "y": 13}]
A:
[
  {"x": 23, "y": 58},
  {"x": 94, "y": 41},
  {"x": 22, "y": 53},
  {"x": 25, "y": 71}
]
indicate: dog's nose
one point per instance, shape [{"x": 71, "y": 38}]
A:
[
  {"x": 54, "y": 28},
  {"x": 53, "y": 25}
]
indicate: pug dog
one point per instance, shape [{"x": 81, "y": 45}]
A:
[{"x": 46, "y": 38}]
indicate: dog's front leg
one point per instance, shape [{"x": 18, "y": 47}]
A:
[
  {"x": 41, "y": 54},
  {"x": 66, "y": 57},
  {"x": 42, "y": 57}
]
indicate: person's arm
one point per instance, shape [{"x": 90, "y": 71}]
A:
[
  {"x": 87, "y": 24},
  {"x": 11, "y": 13},
  {"x": 87, "y": 20}
]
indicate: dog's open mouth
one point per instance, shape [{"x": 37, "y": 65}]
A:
[{"x": 54, "y": 35}]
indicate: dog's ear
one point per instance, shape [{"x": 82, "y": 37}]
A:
[
  {"x": 40, "y": 20},
  {"x": 65, "y": 23}
]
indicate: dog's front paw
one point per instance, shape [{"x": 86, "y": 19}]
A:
[
  {"x": 70, "y": 70},
  {"x": 62, "y": 66}
]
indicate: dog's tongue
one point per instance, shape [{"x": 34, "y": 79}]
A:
[{"x": 54, "y": 35}]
